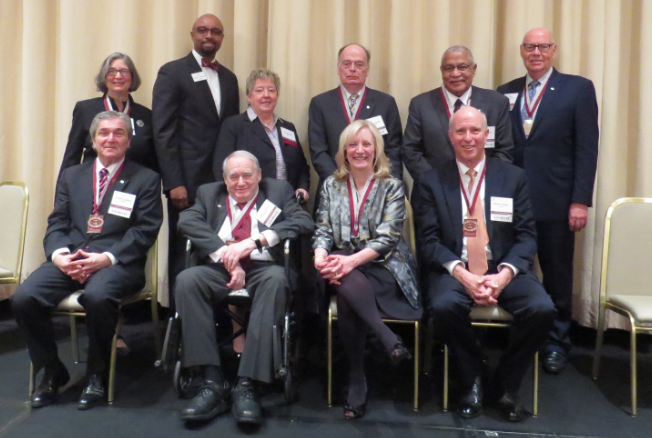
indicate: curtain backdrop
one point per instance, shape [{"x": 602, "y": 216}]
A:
[{"x": 50, "y": 51}]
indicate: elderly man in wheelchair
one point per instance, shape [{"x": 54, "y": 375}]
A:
[{"x": 235, "y": 227}]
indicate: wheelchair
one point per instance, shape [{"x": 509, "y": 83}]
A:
[{"x": 187, "y": 381}]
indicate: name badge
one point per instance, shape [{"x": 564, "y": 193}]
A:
[
  {"x": 380, "y": 124},
  {"x": 122, "y": 204},
  {"x": 512, "y": 99},
  {"x": 288, "y": 137},
  {"x": 502, "y": 209},
  {"x": 470, "y": 227},
  {"x": 268, "y": 213},
  {"x": 199, "y": 76},
  {"x": 491, "y": 139},
  {"x": 95, "y": 223}
]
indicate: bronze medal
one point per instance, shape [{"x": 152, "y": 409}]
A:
[
  {"x": 470, "y": 227},
  {"x": 95, "y": 223},
  {"x": 527, "y": 126}
]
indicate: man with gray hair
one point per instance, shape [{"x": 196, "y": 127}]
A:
[
  {"x": 107, "y": 213},
  {"x": 235, "y": 227},
  {"x": 426, "y": 143}
]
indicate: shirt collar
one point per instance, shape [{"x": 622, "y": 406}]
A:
[
  {"x": 234, "y": 203},
  {"x": 253, "y": 116},
  {"x": 451, "y": 98},
  {"x": 112, "y": 168},
  {"x": 198, "y": 57},
  {"x": 542, "y": 80},
  {"x": 346, "y": 94},
  {"x": 463, "y": 168}
]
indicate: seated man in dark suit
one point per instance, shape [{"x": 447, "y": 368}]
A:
[
  {"x": 477, "y": 244},
  {"x": 107, "y": 213},
  {"x": 236, "y": 227}
]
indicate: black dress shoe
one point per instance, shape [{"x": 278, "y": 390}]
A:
[
  {"x": 212, "y": 400},
  {"x": 399, "y": 353},
  {"x": 246, "y": 407},
  {"x": 47, "y": 389},
  {"x": 93, "y": 393},
  {"x": 470, "y": 405},
  {"x": 510, "y": 406},
  {"x": 554, "y": 362}
]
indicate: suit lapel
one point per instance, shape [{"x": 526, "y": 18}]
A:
[
  {"x": 259, "y": 130},
  {"x": 368, "y": 106},
  {"x": 193, "y": 67},
  {"x": 548, "y": 99},
  {"x": 442, "y": 115},
  {"x": 259, "y": 203},
  {"x": 450, "y": 181},
  {"x": 516, "y": 111},
  {"x": 336, "y": 106},
  {"x": 220, "y": 217},
  {"x": 493, "y": 182},
  {"x": 86, "y": 188}
]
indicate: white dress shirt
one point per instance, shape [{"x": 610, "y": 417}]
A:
[
  {"x": 543, "y": 81},
  {"x": 350, "y": 113},
  {"x": 213, "y": 81},
  {"x": 451, "y": 99}
]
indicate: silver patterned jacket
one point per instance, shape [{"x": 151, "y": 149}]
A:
[{"x": 381, "y": 225}]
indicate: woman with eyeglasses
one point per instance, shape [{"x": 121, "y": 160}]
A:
[{"x": 116, "y": 79}]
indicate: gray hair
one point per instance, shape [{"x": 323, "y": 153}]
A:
[
  {"x": 457, "y": 49},
  {"x": 262, "y": 73},
  {"x": 366, "y": 51},
  {"x": 484, "y": 118},
  {"x": 100, "y": 79},
  {"x": 241, "y": 154},
  {"x": 110, "y": 115}
]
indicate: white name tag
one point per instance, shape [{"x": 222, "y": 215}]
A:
[
  {"x": 491, "y": 139},
  {"x": 502, "y": 209},
  {"x": 286, "y": 133},
  {"x": 122, "y": 204},
  {"x": 378, "y": 121},
  {"x": 268, "y": 213},
  {"x": 199, "y": 76},
  {"x": 512, "y": 99}
]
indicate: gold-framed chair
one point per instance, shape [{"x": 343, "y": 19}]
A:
[
  {"x": 410, "y": 240},
  {"x": 481, "y": 316},
  {"x": 14, "y": 198},
  {"x": 70, "y": 307},
  {"x": 624, "y": 278}
]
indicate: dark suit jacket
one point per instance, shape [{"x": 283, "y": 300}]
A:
[
  {"x": 201, "y": 222},
  {"x": 140, "y": 151},
  {"x": 240, "y": 133},
  {"x": 560, "y": 155},
  {"x": 426, "y": 143},
  {"x": 186, "y": 123},
  {"x": 127, "y": 239},
  {"x": 327, "y": 120},
  {"x": 437, "y": 203}
]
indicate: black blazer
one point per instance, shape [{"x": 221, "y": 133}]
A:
[
  {"x": 127, "y": 239},
  {"x": 437, "y": 203},
  {"x": 240, "y": 133},
  {"x": 560, "y": 155},
  {"x": 426, "y": 143},
  {"x": 327, "y": 120},
  {"x": 186, "y": 123},
  {"x": 80, "y": 145},
  {"x": 201, "y": 222}
]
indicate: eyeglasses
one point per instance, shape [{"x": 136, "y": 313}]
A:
[
  {"x": 543, "y": 48},
  {"x": 216, "y": 31},
  {"x": 113, "y": 71},
  {"x": 449, "y": 68}
]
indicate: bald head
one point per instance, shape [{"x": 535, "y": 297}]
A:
[
  {"x": 468, "y": 133},
  {"x": 207, "y": 34},
  {"x": 538, "y": 50}
]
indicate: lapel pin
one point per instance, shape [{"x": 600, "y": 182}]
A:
[
  {"x": 219, "y": 205},
  {"x": 552, "y": 88},
  {"x": 122, "y": 181},
  {"x": 140, "y": 123}
]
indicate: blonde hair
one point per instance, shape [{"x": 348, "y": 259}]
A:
[{"x": 382, "y": 165}]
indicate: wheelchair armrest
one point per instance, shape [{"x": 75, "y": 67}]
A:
[{"x": 192, "y": 259}]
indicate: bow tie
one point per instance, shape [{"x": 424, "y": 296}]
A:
[{"x": 214, "y": 65}]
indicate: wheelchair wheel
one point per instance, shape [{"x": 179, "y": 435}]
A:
[{"x": 184, "y": 381}]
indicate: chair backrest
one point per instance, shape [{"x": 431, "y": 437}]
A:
[
  {"x": 14, "y": 199},
  {"x": 627, "y": 248},
  {"x": 409, "y": 234}
]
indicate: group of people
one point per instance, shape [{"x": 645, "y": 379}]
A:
[{"x": 499, "y": 178}]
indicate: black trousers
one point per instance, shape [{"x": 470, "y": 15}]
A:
[
  {"x": 524, "y": 298},
  {"x": 176, "y": 251},
  {"x": 199, "y": 287},
  {"x": 556, "y": 246},
  {"x": 47, "y": 286}
]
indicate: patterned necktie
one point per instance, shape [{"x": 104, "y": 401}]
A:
[
  {"x": 352, "y": 100},
  {"x": 104, "y": 176},
  {"x": 243, "y": 231},
  {"x": 458, "y": 105},
  {"x": 214, "y": 65},
  {"x": 531, "y": 92},
  {"x": 476, "y": 246}
]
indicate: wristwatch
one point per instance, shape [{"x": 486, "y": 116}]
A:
[{"x": 258, "y": 245}]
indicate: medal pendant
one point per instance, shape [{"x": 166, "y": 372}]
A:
[
  {"x": 470, "y": 228},
  {"x": 95, "y": 223},
  {"x": 527, "y": 126}
]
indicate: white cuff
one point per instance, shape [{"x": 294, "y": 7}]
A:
[
  {"x": 450, "y": 266},
  {"x": 59, "y": 251},
  {"x": 217, "y": 255},
  {"x": 111, "y": 257},
  {"x": 272, "y": 238},
  {"x": 512, "y": 267}
]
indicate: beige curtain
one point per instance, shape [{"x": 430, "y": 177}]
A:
[{"x": 50, "y": 51}]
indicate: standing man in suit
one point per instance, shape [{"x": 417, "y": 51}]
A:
[
  {"x": 236, "y": 227},
  {"x": 477, "y": 242},
  {"x": 426, "y": 143},
  {"x": 191, "y": 97},
  {"x": 555, "y": 129},
  {"x": 107, "y": 213},
  {"x": 332, "y": 111}
]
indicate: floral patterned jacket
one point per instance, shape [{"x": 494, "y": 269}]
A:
[{"x": 381, "y": 225}]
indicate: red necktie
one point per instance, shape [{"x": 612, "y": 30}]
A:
[
  {"x": 214, "y": 65},
  {"x": 104, "y": 176},
  {"x": 458, "y": 105},
  {"x": 243, "y": 231}
]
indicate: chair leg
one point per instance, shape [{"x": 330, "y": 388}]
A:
[
  {"x": 330, "y": 358},
  {"x": 114, "y": 348},
  {"x": 155, "y": 328},
  {"x": 633, "y": 365},
  {"x": 74, "y": 339},
  {"x": 535, "y": 411},
  {"x": 427, "y": 361},
  {"x": 416, "y": 365},
  {"x": 31, "y": 379},
  {"x": 599, "y": 340},
  {"x": 445, "y": 378}
]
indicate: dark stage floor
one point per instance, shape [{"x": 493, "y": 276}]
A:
[{"x": 570, "y": 404}]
